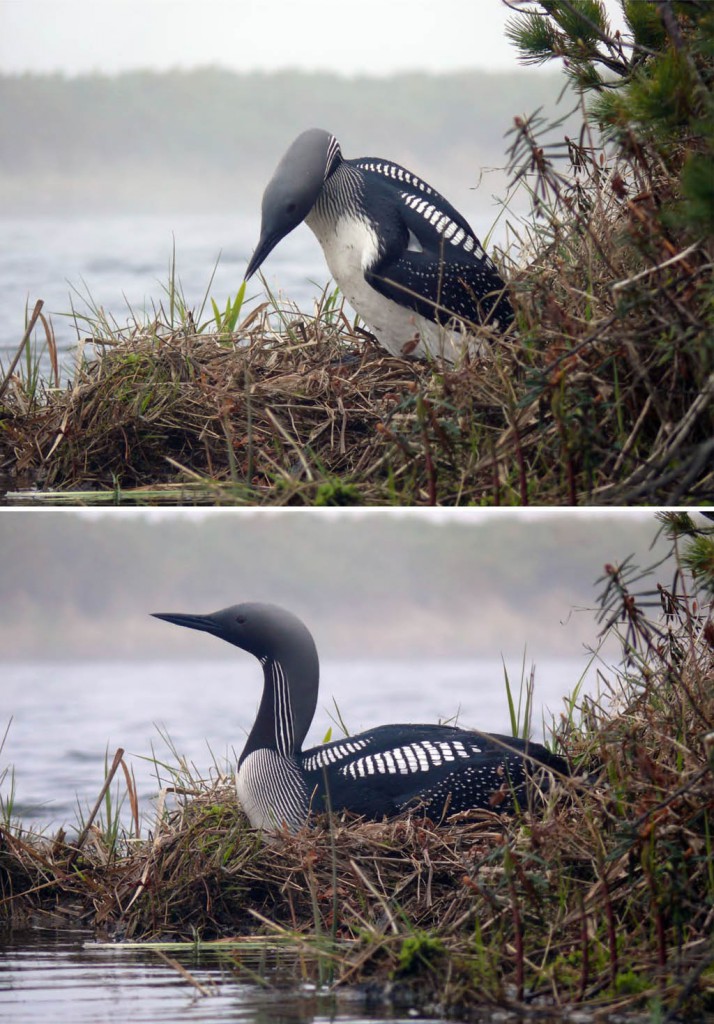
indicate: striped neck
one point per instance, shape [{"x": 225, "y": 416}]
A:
[
  {"x": 341, "y": 193},
  {"x": 334, "y": 156},
  {"x": 290, "y": 687}
]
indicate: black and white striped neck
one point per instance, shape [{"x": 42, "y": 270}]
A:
[
  {"x": 341, "y": 196},
  {"x": 276, "y": 727}
]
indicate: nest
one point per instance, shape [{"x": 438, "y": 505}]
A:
[
  {"x": 308, "y": 414},
  {"x": 583, "y": 402}
]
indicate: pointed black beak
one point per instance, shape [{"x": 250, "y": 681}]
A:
[
  {"x": 206, "y": 623},
  {"x": 263, "y": 249}
]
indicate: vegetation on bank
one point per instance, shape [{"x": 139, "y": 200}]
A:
[
  {"x": 597, "y": 894},
  {"x": 602, "y": 392}
]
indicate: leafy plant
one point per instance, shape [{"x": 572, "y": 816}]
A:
[{"x": 226, "y": 322}]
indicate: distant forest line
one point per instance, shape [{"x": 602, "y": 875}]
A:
[
  {"x": 368, "y": 585},
  {"x": 207, "y": 139}
]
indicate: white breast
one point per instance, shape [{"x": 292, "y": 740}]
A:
[
  {"x": 350, "y": 246},
  {"x": 272, "y": 792}
]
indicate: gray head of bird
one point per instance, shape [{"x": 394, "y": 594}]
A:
[
  {"x": 293, "y": 190},
  {"x": 263, "y": 630}
]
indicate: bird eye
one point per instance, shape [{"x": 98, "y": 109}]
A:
[
  {"x": 240, "y": 619},
  {"x": 290, "y": 208}
]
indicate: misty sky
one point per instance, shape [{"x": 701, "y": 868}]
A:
[{"x": 369, "y": 36}]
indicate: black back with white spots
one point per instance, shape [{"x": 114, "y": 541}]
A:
[
  {"x": 440, "y": 768},
  {"x": 429, "y": 257}
]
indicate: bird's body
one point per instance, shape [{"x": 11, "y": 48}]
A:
[
  {"x": 377, "y": 773},
  {"x": 404, "y": 258},
  {"x": 441, "y": 769}
]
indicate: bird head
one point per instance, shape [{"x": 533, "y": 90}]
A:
[
  {"x": 293, "y": 190},
  {"x": 263, "y": 630}
]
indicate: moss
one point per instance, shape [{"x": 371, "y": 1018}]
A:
[{"x": 419, "y": 952}]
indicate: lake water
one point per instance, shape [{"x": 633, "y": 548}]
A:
[
  {"x": 68, "y": 979},
  {"x": 121, "y": 264},
  {"x": 67, "y": 717}
]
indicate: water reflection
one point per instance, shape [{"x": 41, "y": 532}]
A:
[{"x": 64, "y": 976}]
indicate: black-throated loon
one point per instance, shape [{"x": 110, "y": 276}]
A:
[
  {"x": 404, "y": 258},
  {"x": 376, "y": 773}
]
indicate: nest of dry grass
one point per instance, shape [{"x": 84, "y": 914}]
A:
[
  {"x": 575, "y": 408},
  {"x": 305, "y": 415}
]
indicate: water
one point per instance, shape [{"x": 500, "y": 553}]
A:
[
  {"x": 68, "y": 717},
  {"x": 66, "y": 977},
  {"x": 121, "y": 264}
]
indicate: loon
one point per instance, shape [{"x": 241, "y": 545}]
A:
[
  {"x": 379, "y": 773},
  {"x": 404, "y": 258}
]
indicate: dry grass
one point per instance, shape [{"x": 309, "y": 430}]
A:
[
  {"x": 621, "y": 313},
  {"x": 273, "y": 415},
  {"x": 302, "y": 413},
  {"x": 314, "y": 414}
]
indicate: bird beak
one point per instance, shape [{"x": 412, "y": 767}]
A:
[
  {"x": 206, "y": 623},
  {"x": 263, "y": 249}
]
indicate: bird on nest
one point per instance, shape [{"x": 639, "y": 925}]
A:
[
  {"x": 437, "y": 769},
  {"x": 404, "y": 258}
]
